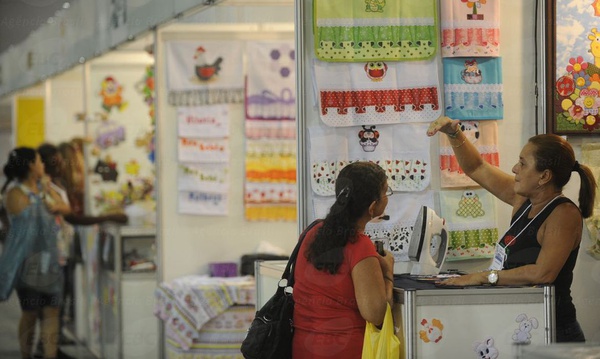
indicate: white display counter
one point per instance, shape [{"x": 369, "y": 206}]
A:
[{"x": 436, "y": 322}]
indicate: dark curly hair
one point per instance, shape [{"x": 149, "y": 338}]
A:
[
  {"x": 18, "y": 164},
  {"x": 357, "y": 186}
]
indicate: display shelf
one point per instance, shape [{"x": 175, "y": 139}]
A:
[{"x": 129, "y": 328}]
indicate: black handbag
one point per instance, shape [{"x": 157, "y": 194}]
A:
[{"x": 271, "y": 332}]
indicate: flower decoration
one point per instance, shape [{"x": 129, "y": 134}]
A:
[
  {"x": 576, "y": 65},
  {"x": 578, "y": 95},
  {"x": 581, "y": 79},
  {"x": 474, "y": 4},
  {"x": 589, "y": 101},
  {"x": 591, "y": 123}
]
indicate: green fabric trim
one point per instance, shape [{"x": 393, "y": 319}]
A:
[
  {"x": 389, "y": 43},
  {"x": 473, "y": 238}
]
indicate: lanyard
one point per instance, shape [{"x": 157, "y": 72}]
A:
[{"x": 527, "y": 225}]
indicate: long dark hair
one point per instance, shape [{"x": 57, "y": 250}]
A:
[
  {"x": 554, "y": 153},
  {"x": 18, "y": 164},
  {"x": 357, "y": 186}
]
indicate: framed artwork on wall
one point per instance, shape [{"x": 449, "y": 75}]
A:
[{"x": 573, "y": 67}]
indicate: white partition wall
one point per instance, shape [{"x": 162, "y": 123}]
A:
[
  {"x": 189, "y": 242},
  {"x": 64, "y": 100}
]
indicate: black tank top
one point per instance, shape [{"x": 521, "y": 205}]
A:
[{"x": 525, "y": 249}]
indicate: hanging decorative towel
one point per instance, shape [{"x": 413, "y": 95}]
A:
[
  {"x": 375, "y": 30},
  {"x": 482, "y": 134},
  {"x": 203, "y": 150},
  {"x": 470, "y": 27},
  {"x": 270, "y": 186},
  {"x": 211, "y": 121},
  {"x": 204, "y": 72},
  {"x": 270, "y": 83},
  {"x": 377, "y": 92},
  {"x": 401, "y": 150},
  {"x": 395, "y": 233},
  {"x": 471, "y": 223},
  {"x": 203, "y": 203},
  {"x": 473, "y": 88},
  {"x": 212, "y": 177}
]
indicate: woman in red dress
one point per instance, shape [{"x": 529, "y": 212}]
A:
[{"x": 340, "y": 280}]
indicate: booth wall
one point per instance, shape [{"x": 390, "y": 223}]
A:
[
  {"x": 518, "y": 51},
  {"x": 64, "y": 99},
  {"x": 188, "y": 243}
]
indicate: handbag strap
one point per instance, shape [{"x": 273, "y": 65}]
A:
[{"x": 288, "y": 273}]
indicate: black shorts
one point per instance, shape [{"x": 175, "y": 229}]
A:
[{"x": 33, "y": 300}]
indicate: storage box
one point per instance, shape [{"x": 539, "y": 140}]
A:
[{"x": 223, "y": 269}]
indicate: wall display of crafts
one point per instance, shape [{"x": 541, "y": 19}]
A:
[{"x": 120, "y": 157}]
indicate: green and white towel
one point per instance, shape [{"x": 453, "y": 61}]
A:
[{"x": 366, "y": 30}]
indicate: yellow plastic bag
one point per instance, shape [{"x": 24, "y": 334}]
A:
[{"x": 381, "y": 344}]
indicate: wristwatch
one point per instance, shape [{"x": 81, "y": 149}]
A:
[{"x": 493, "y": 277}]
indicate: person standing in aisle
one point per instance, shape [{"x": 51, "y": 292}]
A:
[
  {"x": 30, "y": 260},
  {"x": 542, "y": 243},
  {"x": 340, "y": 280},
  {"x": 53, "y": 167}
]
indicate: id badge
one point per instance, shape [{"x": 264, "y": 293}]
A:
[{"x": 499, "y": 257}]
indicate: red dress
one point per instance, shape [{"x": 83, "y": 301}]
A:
[{"x": 326, "y": 318}]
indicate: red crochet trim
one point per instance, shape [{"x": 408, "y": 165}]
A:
[{"x": 342, "y": 100}]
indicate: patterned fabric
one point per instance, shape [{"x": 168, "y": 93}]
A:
[
  {"x": 186, "y": 304},
  {"x": 395, "y": 233},
  {"x": 484, "y": 136},
  {"x": 470, "y": 28},
  {"x": 270, "y": 83},
  {"x": 375, "y": 30},
  {"x": 219, "y": 338},
  {"x": 270, "y": 186},
  {"x": 473, "y": 88},
  {"x": 204, "y": 72},
  {"x": 471, "y": 223},
  {"x": 377, "y": 92},
  {"x": 211, "y": 177},
  {"x": 210, "y": 121},
  {"x": 401, "y": 150}
]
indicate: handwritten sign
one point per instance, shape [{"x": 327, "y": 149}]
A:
[
  {"x": 203, "y": 121},
  {"x": 203, "y": 203},
  {"x": 203, "y": 150},
  {"x": 212, "y": 177}
]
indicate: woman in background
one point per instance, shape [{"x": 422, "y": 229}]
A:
[
  {"x": 340, "y": 280},
  {"x": 542, "y": 243},
  {"x": 54, "y": 169},
  {"x": 29, "y": 262}
]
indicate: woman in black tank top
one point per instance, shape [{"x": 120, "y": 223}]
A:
[{"x": 542, "y": 243}]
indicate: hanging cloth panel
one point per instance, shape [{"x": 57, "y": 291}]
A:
[
  {"x": 204, "y": 72},
  {"x": 377, "y": 92},
  {"x": 484, "y": 136},
  {"x": 401, "y": 150},
  {"x": 385, "y": 30},
  {"x": 470, "y": 28},
  {"x": 471, "y": 223},
  {"x": 473, "y": 88}
]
